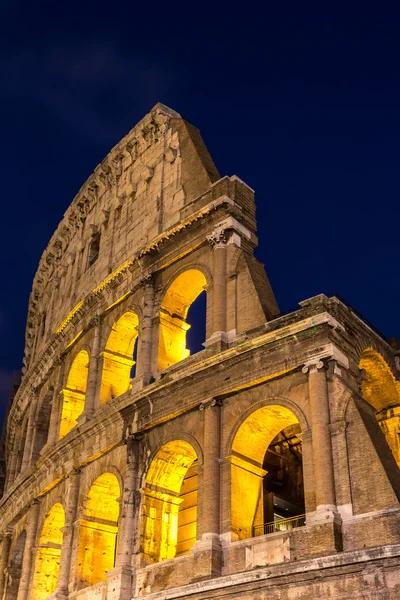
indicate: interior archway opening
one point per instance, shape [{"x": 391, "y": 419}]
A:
[
  {"x": 74, "y": 394},
  {"x": 48, "y": 554},
  {"x": 267, "y": 491},
  {"x": 174, "y": 318},
  {"x": 98, "y": 531},
  {"x": 170, "y": 503},
  {"x": 119, "y": 358},
  {"x": 381, "y": 390}
]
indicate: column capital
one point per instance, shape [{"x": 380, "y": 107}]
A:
[
  {"x": 218, "y": 239},
  {"x": 314, "y": 365},
  {"x": 95, "y": 321},
  {"x": 210, "y": 403},
  {"x": 338, "y": 427},
  {"x": 147, "y": 279}
]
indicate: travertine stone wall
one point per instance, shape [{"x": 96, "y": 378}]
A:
[{"x": 151, "y": 229}]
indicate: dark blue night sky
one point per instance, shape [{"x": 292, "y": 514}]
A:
[{"x": 300, "y": 100}]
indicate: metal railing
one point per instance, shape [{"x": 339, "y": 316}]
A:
[{"x": 280, "y": 525}]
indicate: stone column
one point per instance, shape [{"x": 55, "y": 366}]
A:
[
  {"x": 26, "y": 458},
  {"x": 342, "y": 474},
  {"x": 55, "y": 417},
  {"x": 120, "y": 579},
  {"x": 29, "y": 552},
  {"x": 208, "y": 554},
  {"x": 145, "y": 341},
  {"x": 218, "y": 243},
  {"x": 71, "y": 510},
  {"x": 4, "y": 559},
  {"x": 321, "y": 438},
  {"x": 94, "y": 377}
]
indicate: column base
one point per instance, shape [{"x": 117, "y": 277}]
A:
[
  {"x": 325, "y": 513},
  {"x": 207, "y": 557},
  {"x": 217, "y": 342},
  {"x": 323, "y": 535},
  {"x": 120, "y": 583}
]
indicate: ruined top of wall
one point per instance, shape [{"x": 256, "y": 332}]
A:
[{"x": 144, "y": 187}]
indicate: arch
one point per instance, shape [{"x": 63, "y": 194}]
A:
[
  {"x": 275, "y": 401},
  {"x": 118, "y": 357},
  {"x": 15, "y": 567},
  {"x": 170, "y": 502},
  {"x": 48, "y": 554},
  {"x": 379, "y": 387},
  {"x": 381, "y": 390},
  {"x": 266, "y": 440},
  {"x": 74, "y": 394},
  {"x": 180, "y": 295},
  {"x": 42, "y": 426},
  {"x": 98, "y": 531}
]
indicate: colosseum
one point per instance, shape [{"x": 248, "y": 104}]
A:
[{"x": 263, "y": 466}]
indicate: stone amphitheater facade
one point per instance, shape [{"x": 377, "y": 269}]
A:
[{"x": 135, "y": 469}]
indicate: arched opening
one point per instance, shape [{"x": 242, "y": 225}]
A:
[
  {"x": 94, "y": 250},
  {"x": 170, "y": 503},
  {"x": 118, "y": 357},
  {"x": 15, "y": 567},
  {"x": 98, "y": 531},
  {"x": 74, "y": 393},
  {"x": 267, "y": 492},
  {"x": 179, "y": 297},
  {"x": 48, "y": 554},
  {"x": 381, "y": 390},
  {"x": 42, "y": 427}
]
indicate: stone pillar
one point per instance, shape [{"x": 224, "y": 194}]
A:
[
  {"x": 30, "y": 432},
  {"x": 120, "y": 579},
  {"x": 321, "y": 438},
  {"x": 55, "y": 417},
  {"x": 145, "y": 341},
  {"x": 4, "y": 559},
  {"x": 28, "y": 560},
  {"x": 11, "y": 463},
  {"x": 94, "y": 377},
  {"x": 308, "y": 472},
  {"x": 328, "y": 533},
  {"x": 342, "y": 474},
  {"x": 207, "y": 551},
  {"x": 218, "y": 243},
  {"x": 71, "y": 510}
]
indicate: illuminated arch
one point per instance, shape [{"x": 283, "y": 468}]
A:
[
  {"x": 98, "y": 531},
  {"x": 178, "y": 298},
  {"x": 15, "y": 567},
  {"x": 48, "y": 554},
  {"x": 262, "y": 427},
  {"x": 118, "y": 357},
  {"x": 381, "y": 390},
  {"x": 170, "y": 502},
  {"x": 74, "y": 394}
]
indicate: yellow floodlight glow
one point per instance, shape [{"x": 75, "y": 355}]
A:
[
  {"x": 174, "y": 309},
  {"x": 98, "y": 531},
  {"x": 74, "y": 393},
  {"x": 248, "y": 450},
  {"x": 118, "y": 357},
  {"x": 48, "y": 554},
  {"x": 170, "y": 502}
]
